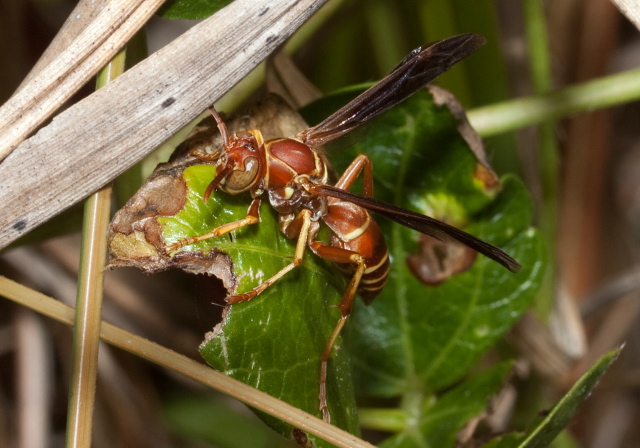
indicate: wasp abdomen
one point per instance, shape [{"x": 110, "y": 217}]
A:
[{"x": 354, "y": 229}]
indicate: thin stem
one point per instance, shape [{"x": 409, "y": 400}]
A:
[
  {"x": 538, "y": 45},
  {"x": 89, "y": 300},
  {"x": 438, "y": 21},
  {"x": 191, "y": 369},
  {"x": 391, "y": 420},
  {"x": 385, "y": 29},
  {"x": 515, "y": 114},
  {"x": 540, "y": 61}
]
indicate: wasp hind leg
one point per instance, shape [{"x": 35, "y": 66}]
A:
[
  {"x": 361, "y": 164},
  {"x": 337, "y": 255}
]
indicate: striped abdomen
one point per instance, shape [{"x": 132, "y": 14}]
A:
[{"x": 355, "y": 230}]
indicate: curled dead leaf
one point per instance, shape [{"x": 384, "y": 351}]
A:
[
  {"x": 135, "y": 234},
  {"x": 483, "y": 172}
]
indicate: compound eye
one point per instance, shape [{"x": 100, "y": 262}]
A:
[{"x": 241, "y": 180}]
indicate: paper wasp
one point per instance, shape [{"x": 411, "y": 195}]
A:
[{"x": 295, "y": 177}]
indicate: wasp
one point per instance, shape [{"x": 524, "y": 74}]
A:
[{"x": 294, "y": 175}]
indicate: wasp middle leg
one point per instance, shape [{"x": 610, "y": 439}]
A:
[{"x": 302, "y": 222}]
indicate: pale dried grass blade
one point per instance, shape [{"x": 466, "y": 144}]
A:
[
  {"x": 631, "y": 9},
  {"x": 116, "y": 23},
  {"x": 94, "y": 141},
  {"x": 82, "y": 15}
]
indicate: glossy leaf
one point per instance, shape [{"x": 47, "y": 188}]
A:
[
  {"x": 416, "y": 338},
  {"x": 440, "y": 421},
  {"x": 191, "y": 415},
  {"x": 549, "y": 426},
  {"x": 191, "y": 9},
  {"x": 273, "y": 342},
  {"x": 436, "y": 334}
]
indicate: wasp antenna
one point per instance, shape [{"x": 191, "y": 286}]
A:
[
  {"x": 215, "y": 183},
  {"x": 222, "y": 127}
]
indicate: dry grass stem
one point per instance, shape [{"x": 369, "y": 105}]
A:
[{"x": 187, "y": 367}]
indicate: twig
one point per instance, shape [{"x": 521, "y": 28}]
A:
[{"x": 186, "y": 366}]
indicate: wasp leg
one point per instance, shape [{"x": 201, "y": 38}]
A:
[
  {"x": 337, "y": 255},
  {"x": 253, "y": 216},
  {"x": 360, "y": 163},
  {"x": 304, "y": 221}
]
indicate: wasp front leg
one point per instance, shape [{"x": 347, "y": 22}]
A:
[{"x": 253, "y": 217}]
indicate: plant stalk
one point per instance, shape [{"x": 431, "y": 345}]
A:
[
  {"x": 86, "y": 335},
  {"x": 600, "y": 93}
]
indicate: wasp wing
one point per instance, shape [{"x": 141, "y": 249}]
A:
[
  {"x": 421, "y": 223},
  {"x": 419, "y": 68}
]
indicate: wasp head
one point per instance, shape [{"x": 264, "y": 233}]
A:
[{"x": 240, "y": 165}]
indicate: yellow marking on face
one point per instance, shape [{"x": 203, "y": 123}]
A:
[{"x": 258, "y": 136}]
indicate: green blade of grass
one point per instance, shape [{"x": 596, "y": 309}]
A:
[{"x": 511, "y": 115}]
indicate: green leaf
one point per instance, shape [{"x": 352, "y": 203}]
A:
[
  {"x": 191, "y": 416},
  {"x": 506, "y": 441},
  {"x": 273, "y": 342},
  {"x": 547, "y": 428},
  {"x": 427, "y": 338},
  {"x": 440, "y": 421},
  {"x": 416, "y": 338},
  {"x": 191, "y": 9}
]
